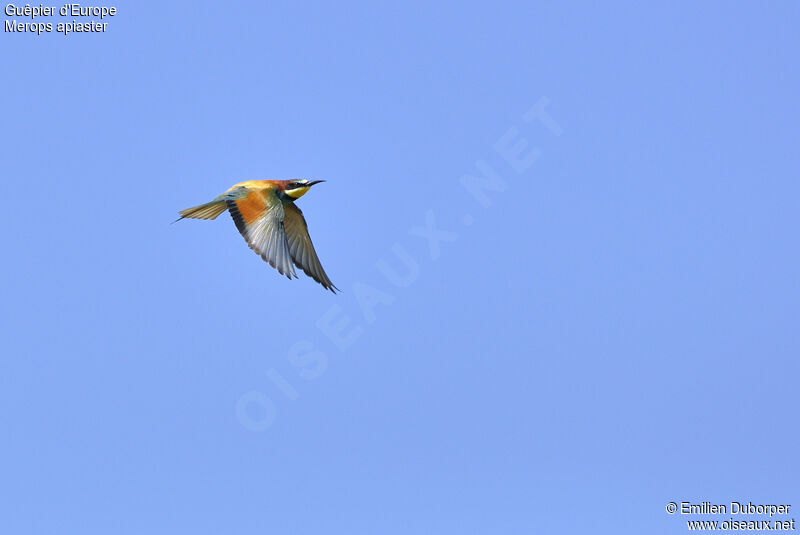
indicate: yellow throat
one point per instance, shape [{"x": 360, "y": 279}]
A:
[{"x": 297, "y": 192}]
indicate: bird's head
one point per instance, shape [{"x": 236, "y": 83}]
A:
[{"x": 297, "y": 188}]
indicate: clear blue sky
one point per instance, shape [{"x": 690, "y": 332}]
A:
[{"x": 616, "y": 328}]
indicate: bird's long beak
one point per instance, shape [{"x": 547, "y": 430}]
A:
[{"x": 309, "y": 184}]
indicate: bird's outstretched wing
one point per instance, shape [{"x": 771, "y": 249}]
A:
[
  {"x": 209, "y": 210},
  {"x": 259, "y": 214},
  {"x": 302, "y": 250}
]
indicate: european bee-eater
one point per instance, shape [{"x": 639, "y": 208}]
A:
[{"x": 273, "y": 227}]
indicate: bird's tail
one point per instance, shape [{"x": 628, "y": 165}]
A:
[{"x": 209, "y": 210}]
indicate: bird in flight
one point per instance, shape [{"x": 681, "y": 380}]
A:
[{"x": 272, "y": 225}]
